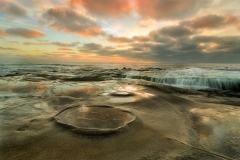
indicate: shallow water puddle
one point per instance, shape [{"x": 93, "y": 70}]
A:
[
  {"x": 95, "y": 119},
  {"x": 18, "y": 88},
  {"x": 77, "y": 91}
]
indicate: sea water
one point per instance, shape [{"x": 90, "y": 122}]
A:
[{"x": 191, "y": 76}]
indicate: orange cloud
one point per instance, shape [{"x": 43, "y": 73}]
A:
[
  {"x": 238, "y": 26},
  {"x": 90, "y": 32},
  {"x": 76, "y": 3},
  {"x": 32, "y": 34},
  {"x": 67, "y": 20},
  {"x": 210, "y": 21},
  {"x": 22, "y": 32},
  {"x": 168, "y": 9},
  {"x": 107, "y": 8},
  {"x": 230, "y": 19},
  {"x": 119, "y": 39},
  {"x": 34, "y": 43},
  {"x": 3, "y": 34}
]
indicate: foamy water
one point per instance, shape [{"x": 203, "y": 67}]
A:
[{"x": 193, "y": 76}]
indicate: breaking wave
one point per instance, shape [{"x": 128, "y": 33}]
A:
[{"x": 194, "y": 78}]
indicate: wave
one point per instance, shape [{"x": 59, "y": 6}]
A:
[{"x": 193, "y": 78}]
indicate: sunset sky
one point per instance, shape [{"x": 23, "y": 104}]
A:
[{"x": 120, "y": 31}]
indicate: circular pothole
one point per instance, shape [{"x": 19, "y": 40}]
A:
[{"x": 94, "y": 119}]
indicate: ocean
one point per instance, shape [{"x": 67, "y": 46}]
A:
[{"x": 191, "y": 76}]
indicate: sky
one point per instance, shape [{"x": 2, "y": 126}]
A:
[{"x": 120, "y": 31}]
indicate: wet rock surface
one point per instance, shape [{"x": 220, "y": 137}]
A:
[{"x": 171, "y": 123}]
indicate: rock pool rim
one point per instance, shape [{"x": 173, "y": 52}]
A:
[{"x": 94, "y": 131}]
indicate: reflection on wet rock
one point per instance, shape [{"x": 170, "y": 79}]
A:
[
  {"x": 41, "y": 88},
  {"x": 94, "y": 119},
  {"x": 80, "y": 92},
  {"x": 17, "y": 89},
  {"x": 215, "y": 127},
  {"x": 202, "y": 126},
  {"x": 22, "y": 88}
]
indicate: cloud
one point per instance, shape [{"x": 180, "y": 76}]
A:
[
  {"x": 12, "y": 9},
  {"x": 67, "y": 20},
  {"x": 140, "y": 47},
  {"x": 25, "y": 33},
  {"x": 39, "y": 5},
  {"x": 168, "y": 9},
  {"x": 185, "y": 44},
  {"x": 229, "y": 19},
  {"x": 115, "y": 39},
  {"x": 141, "y": 38},
  {"x": 162, "y": 35},
  {"x": 3, "y": 34},
  {"x": 219, "y": 44},
  {"x": 119, "y": 39},
  {"x": 172, "y": 44},
  {"x": 210, "y": 21},
  {"x": 238, "y": 26},
  {"x": 90, "y": 47},
  {"x": 35, "y": 43},
  {"x": 178, "y": 49},
  {"x": 65, "y": 49},
  {"x": 9, "y": 48},
  {"x": 59, "y": 44},
  {"x": 21, "y": 32},
  {"x": 159, "y": 38},
  {"x": 106, "y": 8},
  {"x": 175, "y": 31}
]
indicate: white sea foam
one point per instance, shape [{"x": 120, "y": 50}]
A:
[
  {"x": 196, "y": 78},
  {"x": 130, "y": 74}
]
